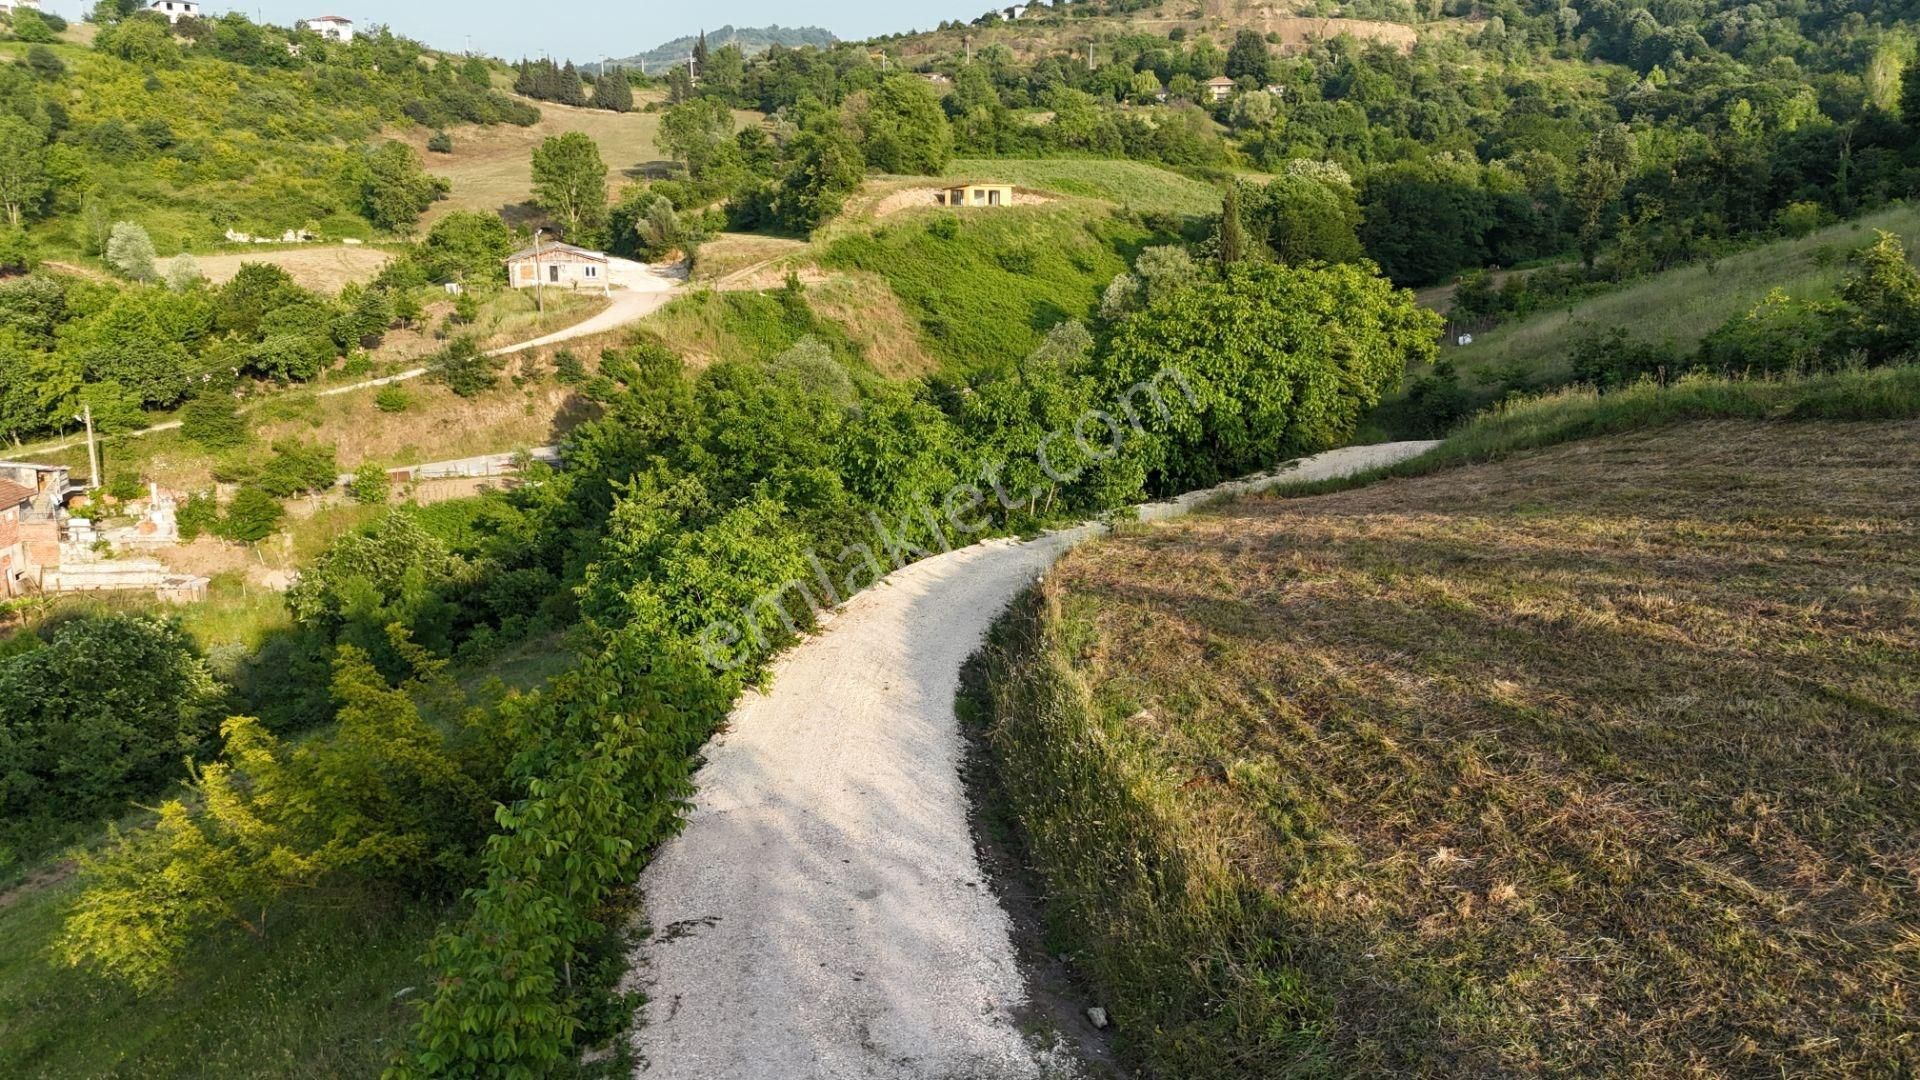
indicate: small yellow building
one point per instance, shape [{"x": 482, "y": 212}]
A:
[{"x": 976, "y": 195}]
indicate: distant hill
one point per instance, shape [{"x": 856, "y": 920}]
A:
[{"x": 752, "y": 41}]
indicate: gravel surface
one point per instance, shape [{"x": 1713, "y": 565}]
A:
[{"x": 823, "y": 914}]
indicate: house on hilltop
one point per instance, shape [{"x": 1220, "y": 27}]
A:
[
  {"x": 8, "y": 7},
  {"x": 976, "y": 195},
  {"x": 175, "y": 10},
  {"x": 332, "y": 27}
]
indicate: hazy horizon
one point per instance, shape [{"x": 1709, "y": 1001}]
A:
[{"x": 504, "y": 30}]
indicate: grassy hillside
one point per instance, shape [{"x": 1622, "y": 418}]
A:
[
  {"x": 1595, "y": 761},
  {"x": 491, "y": 168},
  {"x": 1681, "y": 305},
  {"x": 985, "y": 287},
  {"x": 1133, "y": 185},
  {"x": 326, "y": 995},
  {"x": 191, "y": 139}
]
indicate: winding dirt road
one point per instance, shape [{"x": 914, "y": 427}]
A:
[{"x": 823, "y": 914}]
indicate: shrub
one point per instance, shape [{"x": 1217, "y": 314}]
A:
[
  {"x": 298, "y": 468},
  {"x": 253, "y": 516},
  {"x": 130, "y": 251},
  {"x": 214, "y": 422},
  {"x": 198, "y": 516},
  {"x": 370, "y": 485},
  {"x": 464, "y": 368},
  {"x": 568, "y": 368},
  {"x": 1437, "y": 400},
  {"x": 440, "y": 143},
  {"x": 1610, "y": 359},
  {"x": 125, "y": 487},
  {"x": 392, "y": 399}
]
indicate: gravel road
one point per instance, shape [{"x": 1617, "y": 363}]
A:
[{"x": 823, "y": 914}]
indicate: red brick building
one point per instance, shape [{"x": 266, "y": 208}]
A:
[{"x": 15, "y": 499}]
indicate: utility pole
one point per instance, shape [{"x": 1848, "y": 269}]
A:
[
  {"x": 969, "y": 40},
  {"x": 1089, "y": 56},
  {"x": 539, "y": 281},
  {"x": 93, "y": 448}
]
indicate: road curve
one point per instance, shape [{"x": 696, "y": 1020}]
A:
[{"x": 823, "y": 914}]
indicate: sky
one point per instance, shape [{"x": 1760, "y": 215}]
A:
[{"x": 584, "y": 31}]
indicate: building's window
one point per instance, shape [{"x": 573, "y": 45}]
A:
[
  {"x": 553, "y": 273},
  {"x": 593, "y": 271}
]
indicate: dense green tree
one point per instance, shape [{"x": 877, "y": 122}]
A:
[
  {"x": 23, "y": 168},
  {"x": 395, "y": 189},
  {"x": 612, "y": 91},
  {"x": 103, "y": 713},
  {"x": 1249, "y": 57},
  {"x": 468, "y": 246},
  {"x": 570, "y": 183},
  {"x": 828, "y": 168},
  {"x": 723, "y": 75},
  {"x": 1605, "y": 168},
  {"x": 903, "y": 129},
  {"x": 1268, "y": 363},
  {"x": 1302, "y": 220},
  {"x": 695, "y": 132}
]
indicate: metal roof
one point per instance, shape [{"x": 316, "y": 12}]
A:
[{"x": 551, "y": 247}]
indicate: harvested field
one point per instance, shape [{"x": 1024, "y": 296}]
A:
[
  {"x": 492, "y": 167},
  {"x": 1600, "y": 761},
  {"x": 326, "y": 269}
]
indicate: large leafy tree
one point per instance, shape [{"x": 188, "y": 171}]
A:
[
  {"x": 1267, "y": 363},
  {"x": 828, "y": 168},
  {"x": 23, "y": 168},
  {"x": 395, "y": 189},
  {"x": 904, "y": 130},
  {"x": 695, "y": 132},
  {"x": 103, "y": 713},
  {"x": 570, "y": 182}
]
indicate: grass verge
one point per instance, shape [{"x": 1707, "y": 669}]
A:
[{"x": 1599, "y": 760}]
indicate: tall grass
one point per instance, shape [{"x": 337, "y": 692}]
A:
[
  {"x": 1581, "y": 413},
  {"x": 1187, "y": 950},
  {"x": 1685, "y": 304}
]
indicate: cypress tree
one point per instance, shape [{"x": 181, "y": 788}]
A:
[
  {"x": 612, "y": 92},
  {"x": 570, "y": 91},
  {"x": 1233, "y": 230}
]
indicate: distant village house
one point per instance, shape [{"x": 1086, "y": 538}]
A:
[
  {"x": 1220, "y": 88},
  {"x": 553, "y": 263},
  {"x": 8, "y": 7},
  {"x": 175, "y": 10},
  {"x": 976, "y": 195},
  {"x": 332, "y": 27}
]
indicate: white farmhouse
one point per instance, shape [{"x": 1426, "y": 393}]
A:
[
  {"x": 332, "y": 27},
  {"x": 10, "y": 6},
  {"x": 175, "y": 10}
]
